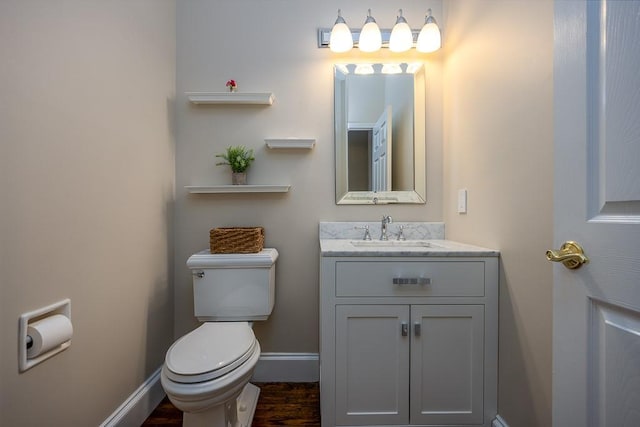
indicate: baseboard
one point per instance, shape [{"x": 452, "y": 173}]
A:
[
  {"x": 287, "y": 367},
  {"x": 272, "y": 367},
  {"x": 137, "y": 407},
  {"x": 499, "y": 422}
]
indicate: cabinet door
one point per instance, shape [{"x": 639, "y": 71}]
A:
[
  {"x": 372, "y": 357},
  {"x": 447, "y": 360}
]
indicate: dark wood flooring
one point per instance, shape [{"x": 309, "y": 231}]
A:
[{"x": 279, "y": 404}]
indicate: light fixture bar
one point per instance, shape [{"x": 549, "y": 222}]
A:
[{"x": 325, "y": 33}]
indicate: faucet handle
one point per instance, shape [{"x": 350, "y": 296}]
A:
[
  {"x": 367, "y": 235},
  {"x": 401, "y": 233}
]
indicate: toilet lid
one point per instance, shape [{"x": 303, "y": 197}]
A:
[{"x": 210, "y": 351}]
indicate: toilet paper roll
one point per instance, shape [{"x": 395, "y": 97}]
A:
[{"x": 48, "y": 333}]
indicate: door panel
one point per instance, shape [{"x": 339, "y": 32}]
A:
[
  {"x": 381, "y": 152},
  {"x": 613, "y": 97},
  {"x": 372, "y": 379},
  {"x": 616, "y": 365},
  {"x": 447, "y": 364}
]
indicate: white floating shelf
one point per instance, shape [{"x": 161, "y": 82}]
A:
[
  {"x": 219, "y": 189},
  {"x": 279, "y": 143},
  {"x": 263, "y": 98}
]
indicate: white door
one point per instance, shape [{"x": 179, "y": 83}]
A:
[
  {"x": 596, "y": 327},
  {"x": 381, "y": 153}
]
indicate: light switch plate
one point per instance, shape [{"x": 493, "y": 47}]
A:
[{"x": 462, "y": 201}]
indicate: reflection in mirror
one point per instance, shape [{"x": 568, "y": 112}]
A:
[{"x": 380, "y": 133}]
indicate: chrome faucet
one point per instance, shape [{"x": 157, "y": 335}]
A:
[
  {"x": 367, "y": 235},
  {"x": 386, "y": 219}
]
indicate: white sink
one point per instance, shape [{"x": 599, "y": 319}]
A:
[{"x": 394, "y": 243}]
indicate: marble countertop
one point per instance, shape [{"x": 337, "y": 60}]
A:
[
  {"x": 436, "y": 248},
  {"x": 355, "y": 230}
]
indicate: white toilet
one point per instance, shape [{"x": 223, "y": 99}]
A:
[{"x": 206, "y": 372}]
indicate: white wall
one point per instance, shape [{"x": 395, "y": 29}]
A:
[
  {"x": 86, "y": 199},
  {"x": 498, "y": 144},
  {"x": 271, "y": 46}
]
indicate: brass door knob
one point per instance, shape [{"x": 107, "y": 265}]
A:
[{"x": 570, "y": 254}]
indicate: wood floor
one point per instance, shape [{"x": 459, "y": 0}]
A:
[{"x": 280, "y": 404}]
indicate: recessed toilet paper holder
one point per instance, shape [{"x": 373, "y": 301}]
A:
[{"x": 25, "y": 342}]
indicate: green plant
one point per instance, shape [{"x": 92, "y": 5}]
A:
[{"x": 238, "y": 157}]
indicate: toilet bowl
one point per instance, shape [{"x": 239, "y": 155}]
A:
[
  {"x": 207, "y": 371},
  {"x": 204, "y": 378}
]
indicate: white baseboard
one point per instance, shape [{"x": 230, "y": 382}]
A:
[
  {"x": 272, "y": 367},
  {"x": 287, "y": 367},
  {"x": 137, "y": 407},
  {"x": 499, "y": 422}
]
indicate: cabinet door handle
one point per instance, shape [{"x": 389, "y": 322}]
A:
[
  {"x": 404, "y": 329},
  {"x": 417, "y": 329},
  {"x": 411, "y": 281}
]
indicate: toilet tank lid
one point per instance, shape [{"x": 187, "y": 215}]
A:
[{"x": 205, "y": 259}]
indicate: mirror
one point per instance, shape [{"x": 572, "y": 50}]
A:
[{"x": 379, "y": 117}]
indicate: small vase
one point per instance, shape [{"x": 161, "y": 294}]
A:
[
  {"x": 239, "y": 178},
  {"x": 232, "y": 88}
]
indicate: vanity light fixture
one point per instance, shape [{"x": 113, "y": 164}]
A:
[
  {"x": 364, "y": 69},
  {"x": 371, "y": 38},
  {"x": 413, "y": 67},
  {"x": 341, "y": 39},
  {"x": 391, "y": 69},
  {"x": 429, "y": 39},
  {"x": 343, "y": 68},
  {"x": 401, "y": 38}
]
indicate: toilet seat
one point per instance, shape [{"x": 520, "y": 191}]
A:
[{"x": 210, "y": 351}]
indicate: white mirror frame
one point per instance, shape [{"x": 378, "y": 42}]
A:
[{"x": 415, "y": 196}]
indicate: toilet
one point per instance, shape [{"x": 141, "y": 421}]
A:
[{"x": 206, "y": 372}]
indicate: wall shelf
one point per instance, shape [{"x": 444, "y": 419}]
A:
[
  {"x": 285, "y": 143},
  {"x": 222, "y": 189},
  {"x": 238, "y": 98}
]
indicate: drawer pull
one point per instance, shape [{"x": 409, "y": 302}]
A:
[
  {"x": 404, "y": 329},
  {"x": 411, "y": 281},
  {"x": 417, "y": 328}
]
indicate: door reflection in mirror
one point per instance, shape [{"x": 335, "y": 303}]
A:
[{"x": 369, "y": 152}]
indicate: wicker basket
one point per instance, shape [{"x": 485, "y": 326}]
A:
[{"x": 236, "y": 240}]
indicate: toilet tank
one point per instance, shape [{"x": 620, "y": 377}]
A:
[{"x": 233, "y": 287}]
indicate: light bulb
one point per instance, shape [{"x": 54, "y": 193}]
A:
[
  {"x": 391, "y": 69},
  {"x": 343, "y": 68},
  {"x": 370, "y": 36},
  {"x": 413, "y": 67},
  {"x": 364, "y": 69},
  {"x": 340, "y": 39},
  {"x": 401, "y": 36},
  {"x": 429, "y": 39}
]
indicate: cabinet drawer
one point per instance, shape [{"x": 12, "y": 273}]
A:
[{"x": 409, "y": 278}]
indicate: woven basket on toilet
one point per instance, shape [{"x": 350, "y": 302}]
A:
[{"x": 236, "y": 240}]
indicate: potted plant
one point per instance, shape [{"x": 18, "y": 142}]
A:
[{"x": 239, "y": 159}]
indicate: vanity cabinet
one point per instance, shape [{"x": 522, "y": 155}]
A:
[{"x": 408, "y": 340}]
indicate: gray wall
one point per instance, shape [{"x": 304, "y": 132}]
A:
[
  {"x": 274, "y": 48},
  {"x": 87, "y": 173},
  {"x": 499, "y": 145}
]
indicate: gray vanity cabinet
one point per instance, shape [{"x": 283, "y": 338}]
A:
[{"x": 408, "y": 341}]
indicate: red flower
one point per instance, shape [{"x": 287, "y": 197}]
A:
[{"x": 231, "y": 83}]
